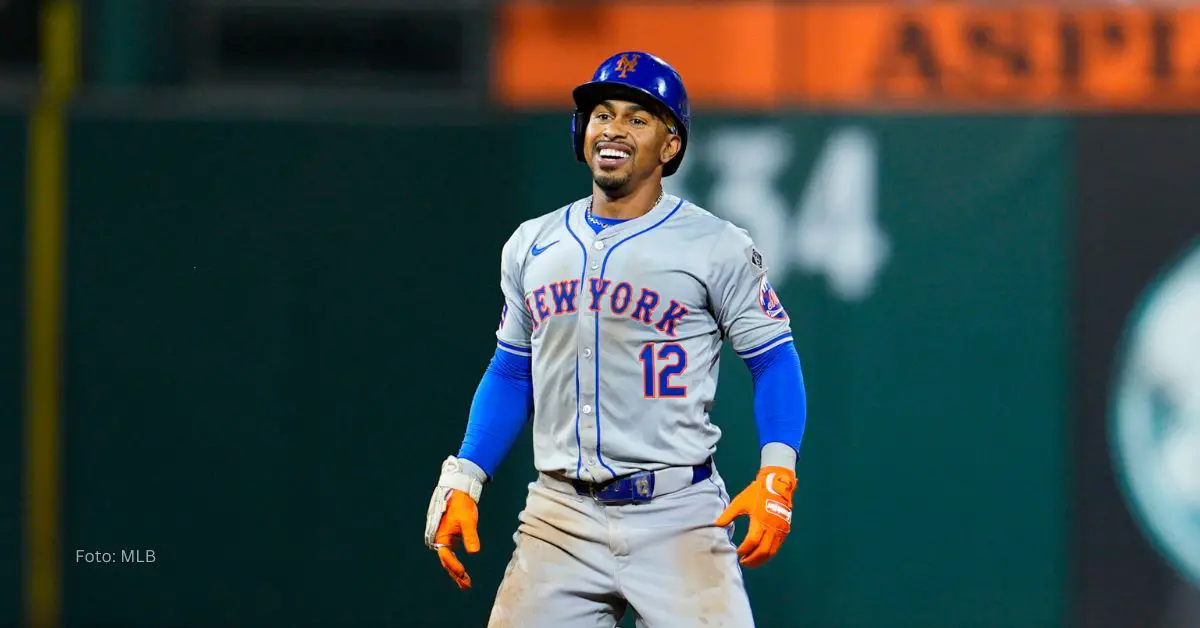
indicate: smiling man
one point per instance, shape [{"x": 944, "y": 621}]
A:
[{"x": 616, "y": 307}]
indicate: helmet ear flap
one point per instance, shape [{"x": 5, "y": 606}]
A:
[{"x": 579, "y": 122}]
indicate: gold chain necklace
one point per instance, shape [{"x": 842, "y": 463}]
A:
[{"x": 587, "y": 214}]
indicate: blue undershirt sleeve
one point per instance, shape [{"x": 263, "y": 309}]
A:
[
  {"x": 503, "y": 403},
  {"x": 779, "y": 398}
]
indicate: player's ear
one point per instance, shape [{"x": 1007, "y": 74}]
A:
[{"x": 670, "y": 147}]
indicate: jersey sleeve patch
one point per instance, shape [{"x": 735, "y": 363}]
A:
[
  {"x": 756, "y": 259},
  {"x": 769, "y": 301}
]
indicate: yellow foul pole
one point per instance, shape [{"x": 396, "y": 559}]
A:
[{"x": 60, "y": 39}]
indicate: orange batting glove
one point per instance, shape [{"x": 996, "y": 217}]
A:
[
  {"x": 768, "y": 502},
  {"x": 461, "y": 520},
  {"x": 453, "y": 513}
]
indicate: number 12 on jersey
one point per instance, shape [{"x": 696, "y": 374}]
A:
[{"x": 658, "y": 369}]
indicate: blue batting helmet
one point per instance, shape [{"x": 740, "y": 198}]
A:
[{"x": 637, "y": 76}]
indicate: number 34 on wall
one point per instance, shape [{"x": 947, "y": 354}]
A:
[{"x": 833, "y": 231}]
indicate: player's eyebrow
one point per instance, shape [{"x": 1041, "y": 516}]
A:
[{"x": 633, "y": 107}]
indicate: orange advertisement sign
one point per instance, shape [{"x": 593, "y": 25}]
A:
[{"x": 760, "y": 54}]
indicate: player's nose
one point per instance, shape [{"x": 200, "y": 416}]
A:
[{"x": 616, "y": 129}]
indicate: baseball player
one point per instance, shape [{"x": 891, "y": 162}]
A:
[{"x": 615, "y": 310}]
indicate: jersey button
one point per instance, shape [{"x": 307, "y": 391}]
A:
[
  {"x": 587, "y": 353},
  {"x": 598, "y": 244},
  {"x": 586, "y": 409},
  {"x": 595, "y": 265}
]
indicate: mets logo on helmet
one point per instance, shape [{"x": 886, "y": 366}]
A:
[
  {"x": 626, "y": 65},
  {"x": 769, "y": 300}
]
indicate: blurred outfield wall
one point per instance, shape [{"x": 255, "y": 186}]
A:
[{"x": 275, "y": 329}]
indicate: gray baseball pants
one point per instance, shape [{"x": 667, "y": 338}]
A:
[{"x": 579, "y": 563}]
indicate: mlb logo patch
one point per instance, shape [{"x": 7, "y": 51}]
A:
[
  {"x": 756, "y": 259},
  {"x": 769, "y": 301}
]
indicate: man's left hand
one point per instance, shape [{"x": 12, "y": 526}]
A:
[{"x": 768, "y": 503}]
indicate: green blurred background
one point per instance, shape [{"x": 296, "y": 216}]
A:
[
  {"x": 282, "y": 348},
  {"x": 280, "y": 292}
]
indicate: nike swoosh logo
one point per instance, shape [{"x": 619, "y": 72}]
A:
[
  {"x": 536, "y": 251},
  {"x": 769, "y": 481}
]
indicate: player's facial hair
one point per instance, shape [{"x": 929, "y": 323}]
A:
[
  {"x": 610, "y": 182},
  {"x": 613, "y": 182}
]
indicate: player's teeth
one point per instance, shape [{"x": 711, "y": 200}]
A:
[{"x": 608, "y": 152}]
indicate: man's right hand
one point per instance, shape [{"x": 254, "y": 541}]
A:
[
  {"x": 460, "y": 521},
  {"x": 454, "y": 513}
]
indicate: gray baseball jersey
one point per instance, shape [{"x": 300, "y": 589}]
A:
[{"x": 625, "y": 329}]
